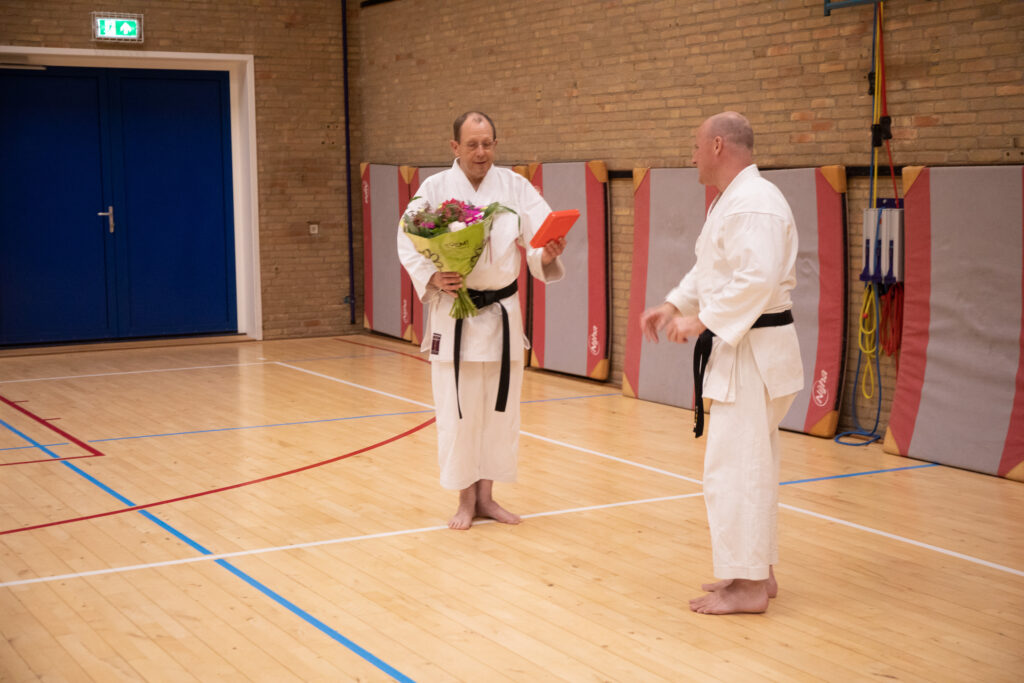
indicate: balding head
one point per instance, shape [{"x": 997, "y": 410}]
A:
[
  {"x": 475, "y": 117},
  {"x": 733, "y": 128},
  {"x": 724, "y": 147}
]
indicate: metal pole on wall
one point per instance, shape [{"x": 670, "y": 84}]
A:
[{"x": 351, "y": 298}]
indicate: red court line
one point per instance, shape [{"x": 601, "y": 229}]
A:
[
  {"x": 93, "y": 453},
  {"x": 381, "y": 348},
  {"x": 224, "y": 488},
  {"x": 42, "y": 460}
]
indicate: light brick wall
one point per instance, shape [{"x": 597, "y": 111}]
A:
[
  {"x": 624, "y": 81},
  {"x": 628, "y": 81}
]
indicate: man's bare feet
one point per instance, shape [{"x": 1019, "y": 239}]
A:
[
  {"x": 738, "y": 596},
  {"x": 772, "y": 585},
  {"x": 487, "y": 507},
  {"x": 461, "y": 520},
  {"x": 496, "y": 512},
  {"x": 463, "y": 517},
  {"x": 475, "y": 501}
]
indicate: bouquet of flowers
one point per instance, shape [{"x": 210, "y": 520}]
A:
[{"x": 452, "y": 236}]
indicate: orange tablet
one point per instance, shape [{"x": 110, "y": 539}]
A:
[{"x": 556, "y": 225}]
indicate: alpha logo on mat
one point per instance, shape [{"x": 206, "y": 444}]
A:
[{"x": 821, "y": 390}]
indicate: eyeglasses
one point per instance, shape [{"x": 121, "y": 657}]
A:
[{"x": 486, "y": 145}]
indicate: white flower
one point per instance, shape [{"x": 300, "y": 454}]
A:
[{"x": 455, "y": 226}]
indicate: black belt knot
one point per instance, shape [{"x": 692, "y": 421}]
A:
[
  {"x": 480, "y": 299},
  {"x": 702, "y": 352}
]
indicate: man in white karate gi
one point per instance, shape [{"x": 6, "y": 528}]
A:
[
  {"x": 477, "y": 389},
  {"x": 739, "y": 292}
]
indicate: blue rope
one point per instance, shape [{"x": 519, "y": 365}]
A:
[{"x": 858, "y": 431}]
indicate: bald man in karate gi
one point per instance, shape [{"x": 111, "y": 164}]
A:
[
  {"x": 477, "y": 443},
  {"x": 739, "y": 290}
]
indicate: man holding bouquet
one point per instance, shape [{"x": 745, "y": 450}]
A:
[{"x": 477, "y": 360}]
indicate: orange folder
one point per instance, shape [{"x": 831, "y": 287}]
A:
[{"x": 556, "y": 225}]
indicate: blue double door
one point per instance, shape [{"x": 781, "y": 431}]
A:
[{"x": 116, "y": 213}]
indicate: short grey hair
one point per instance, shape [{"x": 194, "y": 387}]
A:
[
  {"x": 732, "y": 127},
  {"x": 479, "y": 116}
]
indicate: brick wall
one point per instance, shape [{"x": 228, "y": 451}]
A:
[
  {"x": 628, "y": 81},
  {"x": 625, "y": 81}
]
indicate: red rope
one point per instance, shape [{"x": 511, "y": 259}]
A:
[
  {"x": 890, "y": 335},
  {"x": 885, "y": 104}
]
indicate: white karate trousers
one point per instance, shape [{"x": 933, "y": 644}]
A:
[
  {"x": 741, "y": 475},
  {"x": 484, "y": 444}
]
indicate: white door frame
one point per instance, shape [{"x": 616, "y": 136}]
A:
[{"x": 243, "y": 144}]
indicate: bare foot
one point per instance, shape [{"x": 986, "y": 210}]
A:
[
  {"x": 497, "y": 513},
  {"x": 772, "y": 586},
  {"x": 738, "y": 596},
  {"x": 462, "y": 519}
]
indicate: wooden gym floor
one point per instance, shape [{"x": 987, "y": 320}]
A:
[{"x": 270, "y": 511}]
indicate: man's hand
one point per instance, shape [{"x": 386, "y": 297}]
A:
[
  {"x": 681, "y": 328},
  {"x": 654, "y": 319},
  {"x": 552, "y": 250},
  {"x": 447, "y": 281}
]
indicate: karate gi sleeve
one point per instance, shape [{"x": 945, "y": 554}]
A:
[
  {"x": 684, "y": 296},
  {"x": 753, "y": 247},
  {"x": 532, "y": 212},
  {"x": 419, "y": 267}
]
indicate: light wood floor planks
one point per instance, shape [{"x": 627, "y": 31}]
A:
[{"x": 289, "y": 526}]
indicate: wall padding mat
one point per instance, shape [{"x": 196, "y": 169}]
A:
[
  {"x": 959, "y": 396},
  {"x": 573, "y": 313},
  {"x": 668, "y": 213},
  {"x": 669, "y": 207},
  {"x": 386, "y": 286},
  {"x": 817, "y": 197}
]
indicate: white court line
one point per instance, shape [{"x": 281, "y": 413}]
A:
[
  {"x": 261, "y": 361},
  {"x": 128, "y": 372},
  {"x": 535, "y": 436},
  {"x": 574, "y": 447},
  {"x": 406, "y": 532},
  {"x": 314, "y": 544},
  {"x": 353, "y": 384},
  {"x": 904, "y": 539},
  {"x": 853, "y": 525},
  {"x": 205, "y": 558}
]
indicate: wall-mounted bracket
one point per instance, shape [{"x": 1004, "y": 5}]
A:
[{"x": 839, "y": 4}]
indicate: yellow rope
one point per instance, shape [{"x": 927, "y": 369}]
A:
[
  {"x": 876, "y": 105},
  {"x": 868, "y": 341}
]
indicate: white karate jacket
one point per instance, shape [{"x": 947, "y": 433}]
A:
[
  {"x": 746, "y": 266},
  {"x": 498, "y": 265}
]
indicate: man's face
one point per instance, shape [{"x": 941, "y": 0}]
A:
[
  {"x": 704, "y": 156},
  {"x": 475, "y": 148}
]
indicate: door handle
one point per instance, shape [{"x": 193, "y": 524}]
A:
[{"x": 109, "y": 213}]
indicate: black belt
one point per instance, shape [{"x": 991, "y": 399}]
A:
[
  {"x": 480, "y": 299},
  {"x": 702, "y": 352}
]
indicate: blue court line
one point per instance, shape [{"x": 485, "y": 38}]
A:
[
  {"x": 289, "y": 424},
  {"x": 860, "y": 474},
  {"x": 284, "y": 602},
  {"x": 278, "y": 424},
  {"x": 416, "y": 412},
  {"x": 229, "y": 429}
]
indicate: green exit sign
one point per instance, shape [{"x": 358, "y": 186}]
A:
[{"x": 117, "y": 26}]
